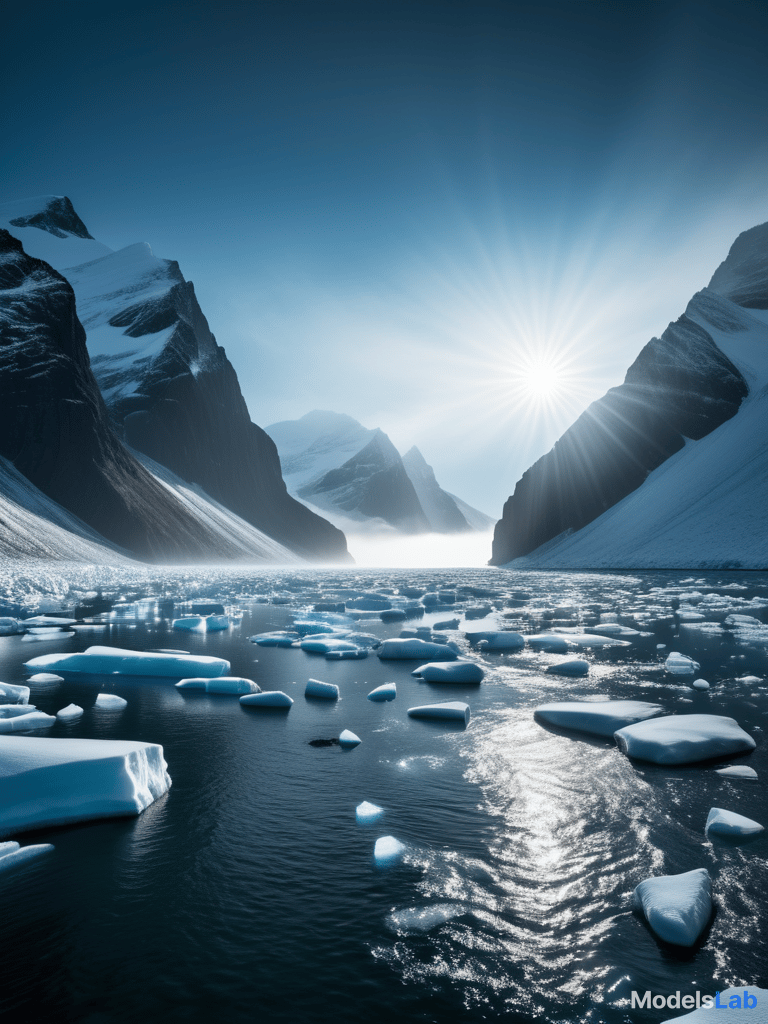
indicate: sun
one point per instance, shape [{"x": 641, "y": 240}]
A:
[{"x": 542, "y": 379}]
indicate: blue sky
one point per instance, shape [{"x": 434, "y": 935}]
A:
[{"x": 395, "y": 210}]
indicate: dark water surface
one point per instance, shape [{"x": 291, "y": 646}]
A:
[{"x": 249, "y": 892}]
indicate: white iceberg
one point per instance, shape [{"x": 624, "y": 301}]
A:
[
  {"x": 728, "y": 823},
  {"x": 44, "y": 677},
  {"x": 12, "y": 855},
  {"x": 10, "y": 693},
  {"x": 24, "y": 723},
  {"x": 325, "y": 644},
  {"x": 452, "y": 709},
  {"x": 450, "y": 672},
  {"x": 576, "y": 667},
  {"x": 46, "y": 782},
  {"x": 387, "y": 691},
  {"x": 267, "y": 699},
  {"x": 368, "y": 812},
  {"x": 594, "y": 640},
  {"x": 553, "y": 643},
  {"x": 280, "y": 638},
  {"x": 700, "y": 684},
  {"x": 110, "y": 702},
  {"x": 737, "y": 771},
  {"x": 682, "y": 739},
  {"x": 221, "y": 684},
  {"x": 495, "y": 641},
  {"x": 325, "y": 691},
  {"x": 412, "y": 648},
  {"x": 69, "y": 713},
  {"x": 116, "y": 661},
  {"x": 349, "y": 739},
  {"x": 680, "y": 664},
  {"x": 676, "y": 907},
  {"x": 600, "y": 717},
  {"x": 388, "y": 850},
  {"x": 189, "y": 622}
]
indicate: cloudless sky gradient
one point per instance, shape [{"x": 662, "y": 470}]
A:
[{"x": 392, "y": 209}]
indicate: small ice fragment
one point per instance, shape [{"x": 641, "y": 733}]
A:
[
  {"x": 12, "y": 694},
  {"x": 267, "y": 699},
  {"x": 24, "y": 723},
  {"x": 22, "y": 854},
  {"x": 661, "y": 647},
  {"x": 737, "y": 771},
  {"x": 325, "y": 691},
  {"x": 680, "y": 664},
  {"x": 110, "y": 702},
  {"x": 677, "y": 907},
  {"x": 551, "y": 642},
  {"x": 279, "y": 638},
  {"x": 368, "y": 812},
  {"x": 69, "y": 713},
  {"x": 349, "y": 739},
  {"x": 221, "y": 684},
  {"x": 728, "y": 823},
  {"x": 45, "y": 677},
  {"x": 412, "y": 648},
  {"x": 388, "y": 850},
  {"x": 387, "y": 691},
  {"x": 452, "y": 709},
  {"x": 497, "y": 641},
  {"x": 700, "y": 684},
  {"x": 577, "y": 667},
  {"x": 450, "y": 672}
]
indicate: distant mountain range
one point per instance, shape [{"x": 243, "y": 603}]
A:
[
  {"x": 670, "y": 469},
  {"x": 358, "y": 479},
  {"x": 144, "y": 434}
]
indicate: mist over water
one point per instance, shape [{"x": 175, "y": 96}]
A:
[{"x": 422, "y": 551}]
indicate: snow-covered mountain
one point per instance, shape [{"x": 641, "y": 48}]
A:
[
  {"x": 356, "y": 475},
  {"x": 670, "y": 470},
  {"x": 171, "y": 392}
]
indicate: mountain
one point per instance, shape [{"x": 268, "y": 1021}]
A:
[
  {"x": 171, "y": 392},
  {"x": 356, "y": 475},
  {"x": 669, "y": 470}
]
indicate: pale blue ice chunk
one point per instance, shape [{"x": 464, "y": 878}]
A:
[
  {"x": 14, "y": 710},
  {"x": 451, "y": 672},
  {"x": 10, "y": 693},
  {"x": 220, "y": 684},
  {"x": 110, "y": 702},
  {"x": 267, "y": 699},
  {"x": 737, "y": 771},
  {"x": 576, "y": 667},
  {"x": 415, "y": 649},
  {"x": 454, "y": 710},
  {"x": 22, "y": 854},
  {"x": 388, "y": 850},
  {"x": 349, "y": 739},
  {"x": 280, "y": 638},
  {"x": 599, "y": 717},
  {"x": 70, "y": 713},
  {"x": 728, "y": 823},
  {"x": 677, "y": 907},
  {"x": 24, "y": 723},
  {"x": 368, "y": 812},
  {"x": 387, "y": 691},
  {"x": 117, "y": 661},
  {"x": 325, "y": 691},
  {"x": 682, "y": 739}
]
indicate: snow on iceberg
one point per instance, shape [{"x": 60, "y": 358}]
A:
[
  {"x": 452, "y": 709},
  {"x": 602, "y": 718},
  {"x": 116, "y": 661},
  {"x": 737, "y": 771},
  {"x": 682, "y": 739},
  {"x": 267, "y": 699},
  {"x": 450, "y": 672},
  {"x": 110, "y": 702},
  {"x": 349, "y": 739},
  {"x": 47, "y": 782},
  {"x": 12, "y": 855},
  {"x": 730, "y": 824},
  {"x": 412, "y": 648},
  {"x": 70, "y": 713},
  {"x": 387, "y": 691},
  {"x": 680, "y": 664},
  {"x": 576, "y": 667},
  {"x": 388, "y": 850},
  {"x": 12, "y": 694},
  {"x": 220, "y": 684},
  {"x": 368, "y": 812},
  {"x": 325, "y": 691},
  {"x": 676, "y": 907},
  {"x": 25, "y": 723}
]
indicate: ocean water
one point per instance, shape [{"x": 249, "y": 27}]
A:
[{"x": 249, "y": 893}]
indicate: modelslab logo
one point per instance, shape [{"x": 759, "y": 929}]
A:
[{"x": 647, "y": 1001}]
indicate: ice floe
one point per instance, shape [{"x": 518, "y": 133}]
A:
[
  {"x": 495, "y": 641},
  {"x": 110, "y": 702},
  {"x": 387, "y": 691},
  {"x": 676, "y": 907},
  {"x": 368, "y": 812},
  {"x": 682, "y": 739},
  {"x": 281, "y": 638},
  {"x": 601, "y": 718},
  {"x": 388, "y": 850},
  {"x": 45, "y": 781},
  {"x": 26, "y": 723},
  {"x": 576, "y": 667},
  {"x": 450, "y": 672},
  {"x": 454, "y": 710},
  {"x": 414, "y": 649},
  {"x": 737, "y": 771},
  {"x": 728, "y": 823},
  {"x": 220, "y": 684},
  {"x": 349, "y": 739},
  {"x": 700, "y": 684},
  {"x": 70, "y": 713},
  {"x": 267, "y": 699},
  {"x": 10, "y": 693},
  {"x": 325, "y": 691},
  {"x": 115, "y": 660},
  {"x": 13, "y": 855},
  {"x": 680, "y": 664}
]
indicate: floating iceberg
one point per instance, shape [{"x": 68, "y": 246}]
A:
[
  {"x": 44, "y": 677},
  {"x": 600, "y": 717},
  {"x": 116, "y": 661},
  {"x": 110, "y": 702},
  {"x": 504, "y": 641},
  {"x": 452, "y": 709},
  {"x": 551, "y": 642},
  {"x": 25, "y": 723},
  {"x": 204, "y": 623},
  {"x": 728, "y": 823},
  {"x": 70, "y": 713},
  {"x": 368, "y": 812},
  {"x": 450, "y": 672},
  {"x": 323, "y": 644},
  {"x": 681, "y": 739},
  {"x": 700, "y": 684},
  {"x": 349, "y": 739},
  {"x": 47, "y": 782},
  {"x": 325, "y": 691},
  {"x": 388, "y": 850},
  {"x": 680, "y": 664},
  {"x": 267, "y": 699},
  {"x": 221, "y": 684},
  {"x": 387, "y": 691},
  {"x": 676, "y": 907},
  {"x": 280, "y": 638},
  {"x": 412, "y": 648},
  {"x": 12, "y": 694},
  {"x": 12, "y": 855},
  {"x": 569, "y": 668},
  {"x": 737, "y": 771}
]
